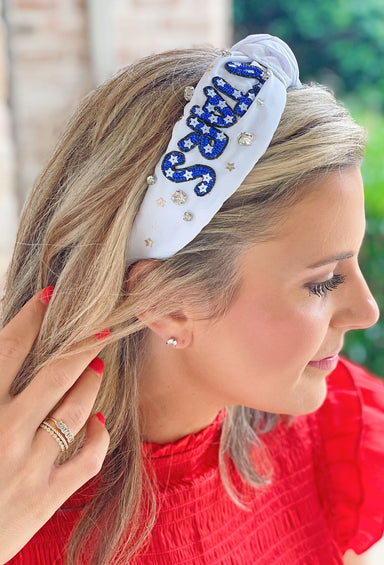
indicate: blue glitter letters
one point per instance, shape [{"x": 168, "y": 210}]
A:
[
  {"x": 168, "y": 166},
  {"x": 205, "y": 121}
]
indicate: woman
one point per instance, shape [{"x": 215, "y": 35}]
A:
[{"x": 220, "y": 247}]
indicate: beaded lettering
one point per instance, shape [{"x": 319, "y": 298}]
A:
[{"x": 206, "y": 122}]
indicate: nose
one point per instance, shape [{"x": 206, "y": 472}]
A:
[{"x": 358, "y": 309}]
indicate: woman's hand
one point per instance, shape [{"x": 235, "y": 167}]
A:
[{"x": 32, "y": 488}]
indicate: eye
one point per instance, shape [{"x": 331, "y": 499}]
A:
[{"x": 321, "y": 289}]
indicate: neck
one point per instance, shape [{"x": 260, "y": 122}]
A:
[{"x": 172, "y": 402}]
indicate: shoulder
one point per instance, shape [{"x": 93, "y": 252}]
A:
[{"x": 349, "y": 456}]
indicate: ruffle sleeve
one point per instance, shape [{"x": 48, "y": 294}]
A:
[{"x": 349, "y": 458}]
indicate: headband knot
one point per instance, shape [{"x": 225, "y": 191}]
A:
[{"x": 273, "y": 53}]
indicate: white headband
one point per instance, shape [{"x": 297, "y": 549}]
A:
[{"x": 226, "y": 127}]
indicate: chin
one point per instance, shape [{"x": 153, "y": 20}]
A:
[{"x": 311, "y": 402}]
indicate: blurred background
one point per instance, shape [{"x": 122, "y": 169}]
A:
[{"x": 52, "y": 52}]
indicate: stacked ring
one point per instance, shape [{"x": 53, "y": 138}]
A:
[{"x": 59, "y": 431}]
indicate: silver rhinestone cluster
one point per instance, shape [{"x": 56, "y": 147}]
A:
[
  {"x": 188, "y": 92},
  {"x": 179, "y": 197},
  {"x": 65, "y": 431},
  {"x": 245, "y": 138}
]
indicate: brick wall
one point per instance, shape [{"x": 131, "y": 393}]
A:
[
  {"x": 7, "y": 184},
  {"x": 60, "y": 49},
  {"x": 147, "y": 26}
]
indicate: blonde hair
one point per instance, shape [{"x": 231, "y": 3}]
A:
[{"x": 73, "y": 234}]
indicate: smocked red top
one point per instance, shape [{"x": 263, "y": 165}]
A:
[{"x": 327, "y": 494}]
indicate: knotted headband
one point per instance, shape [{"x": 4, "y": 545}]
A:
[{"x": 226, "y": 127}]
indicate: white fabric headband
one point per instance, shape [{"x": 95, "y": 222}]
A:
[{"x": 226, "y": 127}]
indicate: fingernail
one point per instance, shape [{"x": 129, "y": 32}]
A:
[
  {"x": 101, "y": 418},
  {"x": 97, "y": 365},
  {"x": 46, "y": 294},
  {"x": 103, "y": 334}
]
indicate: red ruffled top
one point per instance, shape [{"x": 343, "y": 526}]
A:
[{"x": 327, "y": 494}]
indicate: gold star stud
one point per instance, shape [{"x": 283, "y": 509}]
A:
[
  {"x": 160, "y": 202},
  {"x": 148, "y": 242},
  {"x": 230, "y": 166}
]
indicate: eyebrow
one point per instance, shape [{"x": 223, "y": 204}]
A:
[{"x": 333, "y": 259}]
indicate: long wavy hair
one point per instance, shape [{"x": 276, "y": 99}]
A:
[{"x": 73, "y": 234}]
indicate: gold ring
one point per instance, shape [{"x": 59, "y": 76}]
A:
[{"x": 59, "y": 431}]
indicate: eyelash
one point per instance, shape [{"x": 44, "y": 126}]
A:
[{"x": 321, "y": 289}]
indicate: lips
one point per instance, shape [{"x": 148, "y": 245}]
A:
[{"x": 327, "y": 363}]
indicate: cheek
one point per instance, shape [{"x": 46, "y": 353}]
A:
[{"x": 277, "y": 333}]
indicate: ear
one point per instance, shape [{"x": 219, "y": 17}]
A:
[{"x": 176, "y": 325}]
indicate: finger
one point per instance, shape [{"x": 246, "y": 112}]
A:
[
  {"x": 54, "y": 380},
  {"x": 17, "y": 338},
  {"x": 69, "y": 477},
  {"x": 73, "y": 411}
]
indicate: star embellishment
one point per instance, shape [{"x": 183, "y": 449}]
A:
[
  {"x": 230, "y": 166},
  {"x": 188, "y": 143},
  {"x": 160, "y": 202},
  {"x": 173, "y": 159},
  {"x": 148, "y": 242},
  {"x": 194, "y": 122}
]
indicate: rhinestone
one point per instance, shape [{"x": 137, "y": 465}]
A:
[
  {"x": 245, "y": 138},
  {"x": 65, "y": 431},
  {"x": 179, "y": 197},
  {"x": 266, "y": 75},
  {"x": 259, "y": 101},
  {"x": 188, "y": 92},
  {"x": 148, "y": 242},
  {"x": 226, "y": 53},
  {"x": 230, "y": 166},
  {"x": 151, "y": 179},
  {"x": 187, "y": 216},
  {"x": 160, "y": 202}
]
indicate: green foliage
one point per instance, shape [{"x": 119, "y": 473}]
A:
[
  {"x": 341, "y": 44},
  {"x": 367, "y": 347}
]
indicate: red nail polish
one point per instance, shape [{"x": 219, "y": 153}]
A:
[
  {"x": 97, "y": 365},
  {"x": 103, "y": 334},
  {"x": 101, "y": 418},
  {"x": 46, "y": 294}
]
